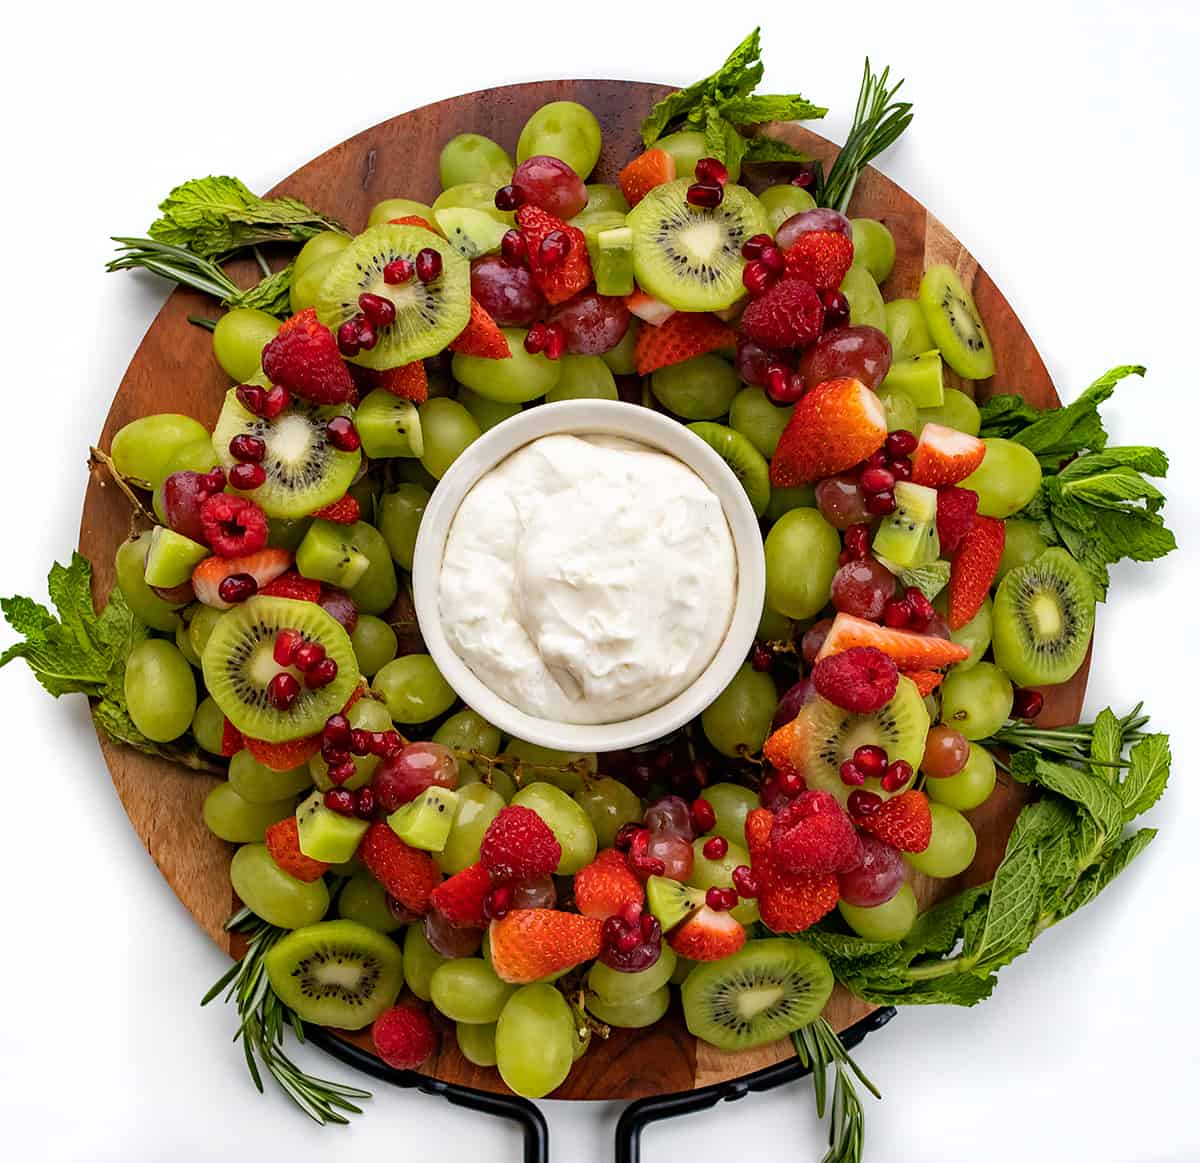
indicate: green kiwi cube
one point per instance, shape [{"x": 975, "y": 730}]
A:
[
  {"x": 672, "y": 902},
  {"x": 908, "y": 535},
  {"x": 325, "y": 835},
  {"x": 426, "y": 821},
  {"x": 171, "y": 557},
  {"x": 326, "y": 555},
  {"x": 920, "y": 378},
  {"x": 613, "y": 262},
  {"x": 388, "y": 425},
  {"x": 473, "y": 233}
]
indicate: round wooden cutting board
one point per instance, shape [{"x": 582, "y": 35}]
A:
[{"x": 174, "y": 370}]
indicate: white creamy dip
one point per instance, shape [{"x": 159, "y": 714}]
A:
[{"x": 588, "y": 579}]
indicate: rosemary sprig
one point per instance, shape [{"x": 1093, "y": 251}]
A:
[
  {"x": 819, "y": 1048},
  {"x": 263, "y": 1019},
  {"x": 1072, "y": 743}
]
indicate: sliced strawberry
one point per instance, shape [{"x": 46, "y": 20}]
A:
[
  {"x": 907, "y": 649},
  {"x": 528, "y": 944},
  {"x": 283, "y": 843},
  {"x": 304, "y": 358},
  {"x": 409, "y": 381},
  {"x": 926, "y": 681},
  {"x": 648, "y": 309},
  {"x": 708, "y": 935},
  {"x": 684, "y": 335},
  {"x": 292, "y": 585},
  {"x": 264, "y": 566},
  {"x": 606, "y": 886},
  {"x": 344, "y": 511},
  {"x": 821, "y": 257},
  {"x": 284, "y": 756},
  {"x": 944, "y": 456},
  {"x": 904, "y": 822},
  {"x": 974, "y": 569},
  {"x": 408, "y": 874},
  {"x": 956, "y": 510},
  {"x": 461, "y": 898},
  {"x": 834, "y": 426},
  {"x": 481, "y": 336},
  {"x": 557, "y": 281},
  {"x": 641, "y": 175},
  {"x": 231, "y": 740},
  {"x": 414, "y": 220}
]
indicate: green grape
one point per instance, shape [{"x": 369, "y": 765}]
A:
[
  {"x": 487, "y": 413},
  {"x": 374, "y": 643},
  {"x": 320, "y": 246},
  {"x": 604, "y": 196},
  {"x": 620, "y": 359},
  {"x": 274, "y": 895},
  {"x": 802, "y": 551},
  {"x": 468, "y": 731},
  {"x": 631, "y": 1015},
  {"x": 773, "y": 626},
  {"x": 376, "y": 590},
  {"x": 510, "y": 381},
  {"x": 195, "y": 456},
  {"x": 370, "y": 715},
  {"x": 160, "y": 690},
  {"x": 478, "y": 806},
  {"x": 131, "y": 581},
  {"x": 468, "y": 990},
  {"x": 899, "y": 406},
  {"x": 287, "y": 533},
  {"x": 874, "y": 248},
  {"x": 477, "y": 1043},
  {"x": 471, "y": 157},
  {"x": 413, "y": 689},
  {"x": 258, "y": 784},
  {"x": 957, "y": 411},
  {"x": 366, "y": 492},
  {"x": 535, "y": 1041},
  {"x": 364, "y": 899},
  {"x": 400, "y": 513},
  {"x": 614, "y": 986},
  {"x": 200, "y": 628},
  {"x": 951, "y": 845},
  {"x": 1023, "y": 541},
  {"x": 1007, "y": 480},
  {"x": 391, "y": 208},
  {"x": 609, "y": 805},
  {"x": 906, "y": 329},
  {"x": 306, "y": 284},
  {"x": 497, "y": 779},
  {"x": 473, "y": 196},
  {"x": 143, "y": 448},
  {"x": 976, "y": 702},
  {"x": 701, "y": 388},
  {"x": 731, "y": 803},
  {"x": 232, "y": 818},
  {"x": 447, "y": 428},
  {"x": 890, "y": 921},
  {"x": 781, "y": 202},
  {"x": 421, "y": 961},
  {"x": 968, "y": 788},
  {"x": 184, "y": 645},
  {"x": 566, "y": 819},
  {"x": 783, "y": 500},
  {"x": 866, "y": 303},
  {"x": 532, "y": 757},
  {"x": 565, "y": 130},
  {"x": 708, "y": 873},
  {"x": 687, "y": 147},
  {"x": 739, "y": 718},
  {"x": 762, "y": 423},
  {"x": 583, "y": 377},
  {"x": 976, "y": 635},
  {"x": 238, "y": 339},
  {"x": 208, "y": 726}
]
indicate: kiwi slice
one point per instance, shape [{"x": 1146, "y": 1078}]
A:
[
  {"x": 428, "y": 315},
  {"x": 472, "y": 233},
  {"x": 388, "y": 425},
  {"x": 304, "y": 471},
  {"x": 955, "y": 324},
  {"x": 672, "y": 902},
  {"x": 239, "y": 663},
  {"x": 920, "y": 378},
  {"x": 426, "y": 822},
  {"x": 1042, "y": 619},
  {"x": 327, "y": 555},
  {"x": 748, "y": 464},
  {"x": 691, "y": 257},
  {"x": 171, "y": 558},
  {"x": 764, "y": 991},
  {"x": 336, "y": 973},
  {"x": 908, "y": 534}
]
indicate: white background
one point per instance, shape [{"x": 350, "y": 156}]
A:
[{"x": 1059, "y": 141}]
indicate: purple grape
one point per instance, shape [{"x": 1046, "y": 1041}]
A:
[{"x": 878, "y": 877}]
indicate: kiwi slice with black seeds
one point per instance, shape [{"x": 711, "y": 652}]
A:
[
  {"x": 748, "y": 464},
  {"x": 689, "y": 256},
  {"x": 955, "y": 324},
  {"x": 1042, "y": 619},
  {"x": 428, "y": 315},
  {"x": 336, "y": 973},
  {"x": 764, "y": 991}
]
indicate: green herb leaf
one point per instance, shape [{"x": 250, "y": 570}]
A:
[
  {"x": 930, "y": 578},
  {"x": 272, "y": 293},
  {"x": 756, "y": 109},
  {"x": 722, "y": 140},
  {"x": 1098, "y": 878},
  {"x": 1106, "y": 746},
  {"x": 1005, "y": 416},
  {"x": 1074, "y": 784},
  {"x": 1012, "y": 909},
  {"x": 1146, "y": 780},
  {"x": 763, "y": 148}
]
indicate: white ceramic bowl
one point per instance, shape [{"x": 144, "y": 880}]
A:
[{"x": 581, "y": 417}]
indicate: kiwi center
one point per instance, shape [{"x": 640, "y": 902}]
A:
[
  {"x": 1046, "y": 616},
  {"x": 291, "y": 439},
  {"x": 754, "y": 1001},
  {"x": 702, "y": 239}
]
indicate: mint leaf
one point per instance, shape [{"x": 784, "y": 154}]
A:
[
  {"x": 1098, "y": 878},
  {"x": 938, "y": 930},
  {"x": 930, "y": 579},
  {"x": 271, "y": 294},
  {"x": 1106, "y": 746},
  {"x": 722, "y": 140},
  {"x": 763, "y": 107},
  {"x": 1012, "y": 910},
  {"x": 762, "y": 148},
  {"x": 1146, "y": 780},
  {"x": 1005, "y": 416},
  {"x": 1080, "y": 787}
]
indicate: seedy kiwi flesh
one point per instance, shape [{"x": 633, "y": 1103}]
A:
[
  {"x": 955, "y": 323},
  {"x": 748, "y": 464}
]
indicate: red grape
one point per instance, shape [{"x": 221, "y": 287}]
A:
[
  {"x": 675, "y": 853},
  {"x": 536, "y": 893},
  {"x": 183, "y": 494},
  {"x": 551, "y": 184},
  {"x": 946, "y": 753},
  {"x": 806, "y": 220},
  {"x": 340, "y": 606},
  {"x": 507, "y": 293},
  {"x": 813, "y": 640},
  {"x": 841, "y": 501},
  {"x": 670, "y": 814},
  {"x": 402, "y": 778},
  {"x": 862, "y": 587},
  {"x": 592, "y": 323},
  {"x": 878, "y": 877},
  {"x": 449, "y": 940},
  {"x": 753, "y": 361},
  {"x": 793, "y": 699},
  {"x": 864, "y": 353}
]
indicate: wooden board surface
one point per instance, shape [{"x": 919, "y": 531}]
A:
[{"x": 174, "y": 370}]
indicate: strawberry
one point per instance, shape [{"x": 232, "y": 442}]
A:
[
  {"x": 559, "y": 281},
  {"x": 813, "y": 834},
  {"x": 408, "y": 874},
  {"x": 641, "y": 175},
  {"x": 518, "y": 843},
  {"x": 685, "y": 334},
  {"x": 606, "y": 886},
  {"x": 834, "y": 426},
  {"x": 408, "y": 381},
  {"x": 956, "y": 510},
  {"x": 944, "y": 456},
  {"x": 283, "y": 843},
  {"x": 404, "y": 1036},
  {"x": 821, "y": 257},
  {"x": 413, "y": 220},
  {"x": 283, "y": 756},
  {"x": 758, "y": 827},
  {"x": 787, "y": 901},
  {"x": 907, "y": 649},
  {"x": 264, "y": 566},
  {"x": 304, "y": 358},
  {"x": 648, "y": 309},
  {"x": 231, "y": 740},
  {"x": 481, "y": 336},
  {"x": 926, "y": 681},
  {"x": 973, "y": 569},
  {"x": 861, "y": 679},
  {"x": 528, "y": 944},
  {"x": 461, "y": 898},
  {"x": 904, "y": 822},
  {"x": 234, "y": 526},
  {"x": 708, "y": 935},
  {"x": 344, "y": 511},
  {"x": 789, "y": 313},
  {"x": 292, "y": 585}
]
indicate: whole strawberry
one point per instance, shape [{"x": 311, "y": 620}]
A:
[{"x": 304, "y": 358}]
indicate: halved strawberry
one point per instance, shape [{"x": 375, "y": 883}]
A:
[
  {"x": 292, "y": 585},
  {"x": 821, "y": 257},
  {"x": 409, "y": 874},
  {"x": 641, "y": 175},
  {"x": 944, "y": 456},
  {"x": 606, "y": 886},
  {"x": 684, "y": 335},
  {"x": 414, "y": 220},
  {"x": 460, "y": 899},
  {"x": 834, "y": 426},
  {"x": 264, "y": 566},
  {"x": 558, "y": 281},
  {"x": 408, "y": 381},
  {"x": 708, "y": 935},
  {"x": 973, "y": 569},
  {"x": 344, "y": 511},
  {"x": 926, "y": 681},
  {"x": 481, "y": 336},
  {"x": 304, "y": 358},
  {"x": 648, "y": 309},
  {"x": 283, "y": 756},
  {"x": 907, "y": 649},
  {"x": 231, "y": 740},
  {"x": 956, "y": 510},
  {"x": 283, "y": 843},
  {"x": 904, "y": 822},
  {"x": 531, "y": 943}
]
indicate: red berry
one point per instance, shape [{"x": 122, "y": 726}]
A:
[
  {"x": 862, "y": 679},
  {"x": 803, "y": 179},
  {"x": 398, "y": 271},
  {"x": 342, "y": 771},
  {"x": 837, "y": 309},
  {"x": 623, "y": 840},
  {"x": 900, "y": 443},
  {"x": 367, "y": 337},
  {"x": 788, "y": 391},
  {"x": 554, "y": 248},
  {"x": 704, "y": 819},
  {"x": 512, "y": 248},
  {"x": 338, "y": 799},
  {"x": 364, "y": 803},
  {"x": 233, "y": 526},
  {"x": 509, "y": 198},
  {"x": 871, "y": 760},
  {"x": 237, "y": 587},
  {"x": 321, "y": 674},
  {"x": 863, "y": 804},
  {"x": 712, "y": 171},
  {"x": 791, "y": 782},
  {"x": 286, "y": 642},
  {"x": 342, "y": 434},
  {"x": 556, "y": 342},
  {"x": 877, "y": 480},
  {"x": 857, "y": 541},
  {"x": 1027, "y": 703},
  {"x": 306, "y": 655},
  {"x": 498, "y": 902},
  {"x": 248, "y": 449},
  {"x": 897, "y": 775},
  {"x": 879, "y": 504},
  {"x": 404, "y": 1036},
  {"x": 380, "y": 311},
  {"x": 753, "y": 246},
  {"x": 850, "y": 774},
  {"x": 901, "y": 469},
  {"x": 721, "y": 899},
  {"x": 715, "y": 847},
  {"x": 896, "y": 613},
  {"x": 247, "y": 477},
  {"x": 429, "y": 264},
  {"x": 277, "y": 398},
  {"x": 757, "y": 277},
  {"x": 282, "y": 691},
  {"x": 705, "y": 194},
  {"x": 252, "y": 397},
  {"x": 348, "y": 338},
  {"x": 337, "y": 727},
  {"x": 772, "y": 258},
  {"x": 744, "y": 882},
  {"x": 920, "y": 608},
  {"x": 761, "y": 657},
  {"x": 536, "y": 339}
]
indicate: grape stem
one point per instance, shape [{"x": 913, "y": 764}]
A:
[{"x": 97, "y": 457}]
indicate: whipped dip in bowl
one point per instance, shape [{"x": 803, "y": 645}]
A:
[{"x": 588, "y": 575}]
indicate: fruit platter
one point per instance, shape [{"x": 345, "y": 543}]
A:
[{"x": 889, "y": 794}]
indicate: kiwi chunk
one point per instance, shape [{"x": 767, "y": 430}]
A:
[
  {"x": 325, "y": 834},
  {"x": 388, "y": 425},
  {"x": 919, "y": 377},
  {"x": 672, "y": 902},
  {"x": 171, "y": 557},
  {"x": 908, "y": 535},
  {"x": 336, "y": 973},
  {"x": 428, "y": 315},
  {"x": 327, "y": 555},
  {"x": 955, "y": 324},
  {"x": 239, "y": 664},
  {"x": 1042, "y": 619},
  {"x": 765, "y": 991},
  {"x": 748, "y": 464},
  {"x": 688, "y": 256},
  {"x": 426, "y": 822},
  {"x": 304, "y": 471},
  {"x": 473, "y": 233}
]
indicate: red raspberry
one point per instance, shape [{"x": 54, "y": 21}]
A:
[
  {"x": 304, "y": 359},
  {"x": 861, "y": 679},
  {"x": 234, "y": 526},
  {"x": 956, "y": 510},
  {"x": 404, "y": 1036},
  {"x": 821, "y": 257},
  {"x": 519, "y": 844},
  {"x": 788, "y": 314}
]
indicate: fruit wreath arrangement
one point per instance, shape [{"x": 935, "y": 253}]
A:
[{"x": 931, "y": 567}]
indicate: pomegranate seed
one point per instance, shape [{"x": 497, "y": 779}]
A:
[
  {"x": 237, "y": 587},
  {"x": 897, "y": 775},
  {"x": 556, "y": 345},
  {"x": 900, "y": 443},
  {"x": 342, "y": 434},
  {"x": 705, "y": 194},
  {"x": 651, "y": 929},
  {"x": 803, "y": 179},
  {"x": 744, "y": 882},
  {"x": 631, "y": 913},
  {"x": 360, "y": 741},
  {"x": 333, "y": 754},
  {"x": 429, "y": 264},
  {"x": 896, "y": 614},
  {"x": 776, "y": 380},
  {"x": 919, "y": 606},
  {"x": 277, "y": 399},
  {"x": 282, "y": 691},
  {"x": 877, "y": 480},
  {"x": 214, "y": 480},
  {"x": 380, "y": 311},
  {"x": 877, "y": 459},
  {"x": 863, "y": 804},
  {"x": 721, "y": 899},
  {"x": 1027, "y": 703},
  {"x": 286, "y": 642},
  {"x": 703, "y": 817},
  {"x": 792, "y": 389},
  {"x": 757, "y": 277},
  {"x": 498, "y": 902},
  {"x": 761, "y": 657},
  {"x": 509, "y": 198},
  {"x": 536, "y": 338},
  {"x": 709, "y": 169},
  {"x": 322, "y": 674},
  {"x": 342, "y": 772},
  {"x": 715, "y": 847},
  {"x": 306, "y": 655},
  {"x": 338, "y": 799},
  {"x": 623, "y": 840},
  {"x": 857, "y": 541},
  {"x": 392, "y": 745},
  {"x": 512, "y": 248},
  {"x": 837, "y": 308},
  {"x": 880, "y": 504},
  {"x": 248, "y": 449},
  {"x": 754, "y": 245},
  {"x": 366, "y": 333},
  {"x": 252, "y": 397},
  {"x": 246, "y": 477},
  {"x": 347, "y": 337},
  {"x": 850, "y": 774},
  {"x": 628, "y": 940},
  {"x": 554, "y": 248},
  {"x": 364, "y": 803},
  {"x": 609, "y": 931},
  {"x": 791, "y": 783},
  {"x": 772, "y": 259},
  {"x": 871, "y": 760},
  {"x": 336, "y": 730},
  {"x": 398, "y": 271},
  {"x": 901, "y": 469}
]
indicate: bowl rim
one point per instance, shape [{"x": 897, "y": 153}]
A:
[{"x": 591, "y": 417}]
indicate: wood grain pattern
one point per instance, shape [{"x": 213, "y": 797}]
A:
[{"x": 174, "y": 370}]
